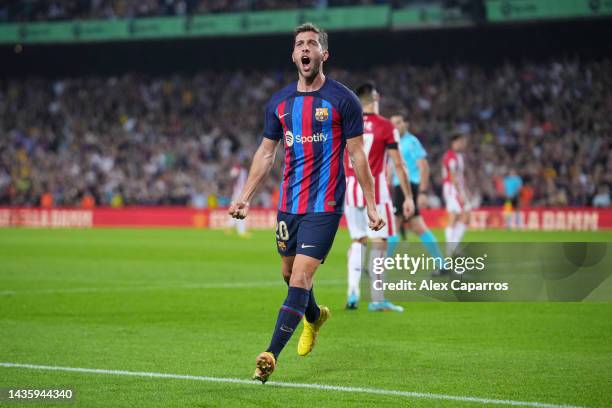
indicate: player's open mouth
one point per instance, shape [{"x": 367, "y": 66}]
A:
[{"x": 305, "y": 62}]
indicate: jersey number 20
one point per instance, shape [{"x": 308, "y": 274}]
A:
[{"x": 282, "y": 232}]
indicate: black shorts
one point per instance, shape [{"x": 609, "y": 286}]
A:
[
  {"x": 514, "y": 201},
  {"x": 398, "y": 199},
  {"x": 309, "y": 234}
]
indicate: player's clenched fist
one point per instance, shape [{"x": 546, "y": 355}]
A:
[
  {"x": 408, "y": 208},
  {"x": 375, "y": 222},
  {"x": 239, "y": 210}
]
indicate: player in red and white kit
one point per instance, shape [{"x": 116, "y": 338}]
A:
[
  {"x": 455, "y": 193},
  {"x": 239, "y": 174},
  {"x": 380, "y": 139}
]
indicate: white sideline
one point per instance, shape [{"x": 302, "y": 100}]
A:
[
  {"x": 376, "y": 391},
  {"x": 220, "y": 285}
]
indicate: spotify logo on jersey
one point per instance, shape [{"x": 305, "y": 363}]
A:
[{"x": 290, "y": 138}]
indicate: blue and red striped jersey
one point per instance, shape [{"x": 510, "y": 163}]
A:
[{"x": 314, "y": 127}]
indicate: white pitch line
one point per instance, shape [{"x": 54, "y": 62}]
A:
[
  {"x": 376, "y": 391},
  {"x": 221, "y": 285}
]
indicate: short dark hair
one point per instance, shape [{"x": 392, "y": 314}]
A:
[
  {"x": 365, "y": 90},
  {"x": 303, "y": 28},
  {"x": 456, "y": 136}
]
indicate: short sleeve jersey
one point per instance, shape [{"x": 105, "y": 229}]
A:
[
  {"x": 412, "y": 151},
  {"x": 452, "y": 163}
]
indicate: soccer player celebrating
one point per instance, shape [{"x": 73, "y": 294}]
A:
[
  {"x": 455, "y": 194},
  {"x": 379, "y": 138},
  {"x": 316, "y": 117},
  {"x": 415, "y": 158}
]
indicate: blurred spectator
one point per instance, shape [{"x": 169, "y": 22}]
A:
[
  {"x": 526, "y": 196},
  {"x": 88, "y": 201},
  {"x": 46, "y": 200},
  {"x": 212, "y": 201},
  {"x": 116, "y": 201},
  {"x": 198, "y": 197},
  {"x": 602, "y": 198}
]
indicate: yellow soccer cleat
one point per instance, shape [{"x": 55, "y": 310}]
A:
[
  {"x": 265, "y": 363},
  {"x": 308, "y": 338}
]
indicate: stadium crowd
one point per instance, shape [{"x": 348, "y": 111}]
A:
[
  {"x": 54, "y": 10},
  {"x": 138, "y": 139}
]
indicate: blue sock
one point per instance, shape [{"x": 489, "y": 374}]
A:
[
  {"x": 431, "y": 243},
  {"x": 289, "y": 317},
  {"x": 312, "y": 310},
  {"x": 391, "y": 244}
]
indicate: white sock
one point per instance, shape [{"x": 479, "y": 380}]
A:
[
  {"x": 376, "y": 251},
  {"x": 449, "y": 236},
  {"x": 241, "y": 226},
  {"x": 459, "y": 232},
  {"x": 354, "y": 268}
]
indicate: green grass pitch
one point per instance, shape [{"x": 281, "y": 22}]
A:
[{"x": 201, "y": 303}]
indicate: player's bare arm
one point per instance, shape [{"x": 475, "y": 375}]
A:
[
  {"x": 402, "y": 175},
  {"x": 389, "y": 173},
  {"x": 423, "y": 166},
  {"x": 263, "y": 160},
  {"x": 359, "y": 160}
]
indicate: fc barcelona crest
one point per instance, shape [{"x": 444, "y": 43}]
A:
[{"x": 321, "y": 114}]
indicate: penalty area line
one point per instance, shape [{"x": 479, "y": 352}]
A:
[{"x": 345, "y": 389}]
